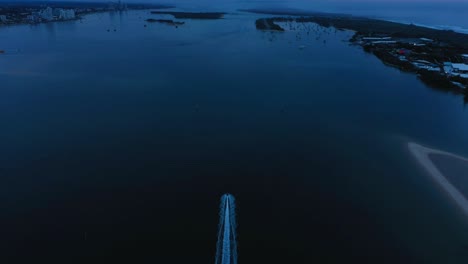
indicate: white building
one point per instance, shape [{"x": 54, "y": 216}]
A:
[
  {"x": 384, "y": 42},
  {"x": 448, "y": 68},
  {"x": 465, "y": 57},
  {"x": 460, "y": 68},
  {"x": 426, "y": 39},
  {"x": 66, "y": 14},
  {"x": 33, "y": 18},
  {"x": 47, "y": 14},
  {"x": 376, "y": 38},
  {"x": 56, "y": 12},
  {"x": 423, "y": 64},
  {"x": 456, "y": 69}
]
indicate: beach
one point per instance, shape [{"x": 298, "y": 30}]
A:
[{"x": 447, "y": 169}]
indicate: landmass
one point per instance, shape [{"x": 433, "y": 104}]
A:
[
  {"x": 165, "y": 21},
  {"x": 439, "y": 57},
  {"x": 446, "y": 169},
  {"x": 18, "y": 12},
  {"x": 191, "y": 15},
  {"x": 267, "y": 24},
  {"x": 292, "y": 12}
]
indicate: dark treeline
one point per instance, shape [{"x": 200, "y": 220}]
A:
[
  {"x": 365, "y": 26},
  {"x": 191, "y": 15}
]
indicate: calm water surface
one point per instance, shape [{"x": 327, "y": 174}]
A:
[{"x": 116, "y": 146}]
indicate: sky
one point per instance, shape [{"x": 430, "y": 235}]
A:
[{"x": 259, "y": 1}]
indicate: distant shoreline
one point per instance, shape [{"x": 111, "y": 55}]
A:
[
  {"x": 438, "y": 57},
  {"x": 427, "y": 160},
  {"x": 191, "y": 15},
  {"x": 298, "y": 12},
  {"x": 366, "y": 25},
  {"x": 24, "y": 13}
]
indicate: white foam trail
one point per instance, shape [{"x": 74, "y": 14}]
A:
[
  {"x": 226, "y": 248},
  {"x": 227, "y": 238}
]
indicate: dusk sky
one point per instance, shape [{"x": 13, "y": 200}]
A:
[{"x": 256, "y": 1}]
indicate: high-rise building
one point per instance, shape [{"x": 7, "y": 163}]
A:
[{"x": 47, "y": 14}]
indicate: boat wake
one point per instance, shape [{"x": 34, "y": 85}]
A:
[{"x": 226, "y": 248}]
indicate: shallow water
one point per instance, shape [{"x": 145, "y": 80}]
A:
[
  {"x": 454, "y": 169},
  {"x": 116, "y": 146}
]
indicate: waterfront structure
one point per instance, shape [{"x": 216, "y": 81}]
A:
[
  {"x": 375, "y": 38},
  {"x": 460, "y": 69},
  {"x": 120, "y": 6},
  {"x": 56, "y": 12},
  {"x": 384, "y": 42},
  {"x": 448, "y": 68},
  {"x": 426, "y": 40},
  {"x": 47, "y": 14},
  {"x": 33, "y": 13},
  {"x": 404, "y": 51},
  {"x": 52, "y": 14},
  {"x": 426, "y": 65},
  {"x": 66, "y": 14},
  {"x": 33, "y": 18},
  {"x": 465, "y": 57},
  {"x": 456, "y": 69}
]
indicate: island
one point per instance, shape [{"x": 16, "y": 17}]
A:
[
  {"x": 191, "y": 15},
  {"x": 438, "y": 57},
  {"x": 165, "y": 21},
  {"x": 267, "y": 24}
]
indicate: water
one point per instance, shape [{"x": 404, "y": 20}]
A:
[{"x": 116, "y": 146}]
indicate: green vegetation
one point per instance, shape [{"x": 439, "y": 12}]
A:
[
  {"x": 190, "y": 15},
  {"x": 374, "y": 27},
  {"x": 267, "y": 24},
  {"x": 165, "y": 21}
]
